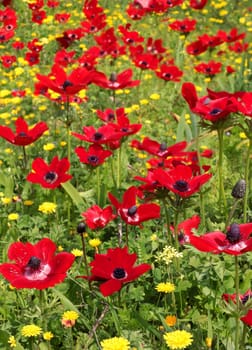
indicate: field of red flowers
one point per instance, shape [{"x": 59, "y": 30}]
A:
[{"x": 125, "y": 174}]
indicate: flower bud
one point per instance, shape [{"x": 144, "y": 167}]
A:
[
  {"x": 239, "y": 189},
  {"x": 81, "y": 228}
]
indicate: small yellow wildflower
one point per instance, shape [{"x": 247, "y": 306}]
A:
[
  {"x": 28, "y": 202},
  {"x": 47, "y": 208},
  {"x": 13, "y": 217},
  {"x": 209, "y": 342},
  {"x": 8, "y": 150},
  {"x": 166, "y": 287},
  {"x": 116, "y": 343},
  {"x": 63, "y": 143},
  {"x": 31, "y": 330},
  {"x": 178, "y": 339},
  {"x": 242, "y": 135},
  {"x": 167, "y": 255},
  {"x": 154, "y": 237},
  {"x": 47, "y": 335},
  {"x": 12, "y": 341},
  {"x": 49, "y": 147},
  {"x": 6, "y": 200},
  {"x": 69, "y": 318},
  {"x": 77, "y": 252},
  {"x": 171, "y": 320},
  {"x": 95, "y": 242},
  {"x": 155, "y": 96}
]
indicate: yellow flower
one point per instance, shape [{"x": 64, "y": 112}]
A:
[
  {"x": 77, "y": 252},
  {"x": 13, "y": 217},
  {"x": 6, "y": 200},
  {"x": 165, "y": 287},
  {"x": 49, "y": 147},
  {"x": 12, "y": 341},
  {"x": 47, "y": 335},
  {"x": 208, "y": 342},
  {"x": 31, "y": 330},
  {"x": 155, "y": 97},
  {"x": 69, "y": 318},
  {"x": 28, "y": 202},
  {"x": 178, "y": 339},
  {"x": 95, "y": 242},
  {"x": 47, "y": 208},
  {"x": 171, "y": 320},
  {"x": 116, "y": 343}
]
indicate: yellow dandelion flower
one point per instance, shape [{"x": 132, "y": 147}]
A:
[
  {"x": 13, "y": 217},
  {"x": 49, "y": 147},
  {"x": 12, "y": 341},
  {"x": 63, "y": 143},
  {"x": 28, "y": 202},
  {"x": 6, "y": 200},
  {"x": 155, "y": 97},
  {"x": 178, "y": 339},
  {"x": 166, "y": 287},
  {"x": 116, "y": 343},
  {"x": 47, "y": 335},
  {"x": 47, "y": 208},
  {"x": 31, "y": 330},
  {"x": 77, "y": 252},
  {"x": 171, "y": 320},
  {"x": 95, "y": 242},
  {"x": 69, "y": 318}
]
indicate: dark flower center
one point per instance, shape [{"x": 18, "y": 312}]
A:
[
  {"x": 167, "y": 75},
  {"x": 119, "y": 273},
  {"x": 110, "y": 116},
  {"x": 143, "y": 63},
  {"x": 22, "y": 134},
  {"x": 181, "y": 186},
  {"x": 66, "y": 84},
  {"x": 97, "y": 136},
  {"x": 93, "y": 159},
  {"x": 163, "y": 146},
  {"x": 245, "y": 298},
  {"x": 34, "y": 263},
  {"x": 234, "y": 234},
  {"x": 132, "y": 210},
  {"x": 215, "y": 111},
  {"x": 113, "y": 77},
  {"x": 50, "y": 177}
]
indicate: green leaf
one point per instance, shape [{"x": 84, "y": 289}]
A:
[
  {"x": 74, "y": 194},
  {"x": 146, "y": 325}
]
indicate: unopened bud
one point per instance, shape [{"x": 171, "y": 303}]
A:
[
  {"x": 239, "y": 189},
  {"x": 81, "y": 228}
]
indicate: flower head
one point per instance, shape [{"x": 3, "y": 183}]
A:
[
  {"x": 12, "y": 341},
  {"x": 69, "y": 318},
  {"x": 178, "y": 339},
  {"x": 115, "y": 268},
  {"x": 36, "y": 266},
  {"x": 47, "y": 336},
  {"x": 47, "y": 208},
  {"x": 31, "y": 330},
  {"x": 97, "y": 217},
  {"x": 170, "y": 320},
  {"x": 166, "y": 287},
  {"x": 116, "y": 343}
]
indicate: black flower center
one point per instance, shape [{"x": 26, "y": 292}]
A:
[
  {"x": 132, "y": 210},
  {"x": 215, "y": 111},
  {"x": 234, "y": 234},
  {"x": 181, "y": 186},
  {"x": 34, "y": 263},
  {"x": 167, "y": 75},
  {"x": 98, "y": 136},
  {"x": 163, "y": 146},
  {"x": 66, "y": 84},
  {"x": 50, "y": 177},
  {"x": 93, "y": 159},
  {"x": 113, "y": 77},
  {"x": 119, "y": 273},
  {"x": 22, "y": 134},
  {"x": 245, "y": 298},
  {"x": 144, "y": 63}
]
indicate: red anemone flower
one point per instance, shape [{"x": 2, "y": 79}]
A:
[
  {"x": 115, "y": 269},
  {"x": 196, "y": 48},
  {"x": 231, "y": 36},
  {"x": 110, "y": 115},
  {"x": 185, "y": 229},
  {"x": 24, "y": 135},
  {"x": 8, "y": 60},
  {"x": 94, "y": 156},
  {"x": 97, "y": 217},
  {"x": 38, "y": 16},
  {"x": 132, "y": 213},
  {"x": 36, "y": 266},
  {"x": 62, "y": 17},
  {"x": 238, "y": 47},
  {"x": 102, "y": 135},
  {"x": 184, "y": 26},
  {"x": 198, "y": 4},
  {"x": 243, "y": 298},
  {"x": 235, "y": 241},
  {"x": 32, "y": 58},
  {"x": 116, "y": 81},
  {"x": 49, "y": 175},
  {"x": 210, "y": 68},
  {"x": 244, "y": 104},
  {"x": 169, "y": 73},
  {"x": 180, "y": 180}
]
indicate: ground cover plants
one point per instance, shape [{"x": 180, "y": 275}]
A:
[{"x": 125, "y": 174}]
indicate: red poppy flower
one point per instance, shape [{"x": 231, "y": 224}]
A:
[
  {"x": 186, "y": 229},
  {"x": 89, "y": 58},
  {"x": 243, "y": 298},
  {"x": 38, "y": 16},
  {"x": 130, "y": 37},
  {"x": 7, "y": 60},
  {"x": 116, "y": 81},
  {"x": 62, "y": 17},
  {"x": 184, "y": 26},
  {"x": 35, "y": 46},
  {"x": 235, "y": 241},
  {"x": 94, "y": 24},
  {"x": 159, "y": 149},
  {"x": 94, "y": 156},
  {"x": 181, "y": 180},
  {"x": 231, "y": 36},
  {"x": 135, "y": 12},
  {"x": 97, "y": 217},
  {"x": 238, "y": 47},
  {"x": 196, "y": 48},
  {"x": 123, "y": 125},
  {"x": 198, "y": 4},
  {"x": 64, "y": 58},
  {"x": 115, "y": 268},
  {"x": 210, "y": 41},
  {"x": 144, "y": 60},
  {"x": 32, "y": 58},
  {"x": 36, "y": 5},
  {"x": 64, "y": 84},
  {"x": 36, "y": 266},
  {"x": 210, "y": 68},
  {"x": 155, "y": 46},
  {"x": 169, "y": 73},
  {"x": 69, "y": 36},
  {"x": 24, "y": 135},
  {"x": 102, "y": 135},
  {"x": 49, "y": 175},
  {"x": 18, "y": 45},
  {"x": 132, "y": 213},
  {"x": 244, "y": 104},
  {"x": 52, "y": 4},
  {"x": 110, "y": 115},
  {"x": 6, "y": 35}
]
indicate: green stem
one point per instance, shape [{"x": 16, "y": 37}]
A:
[
  {"x": 84, "y": 254},
  {"x": 167, "y": 219},
  {"x": 246, "y": 178},
  {"x": 231, "y": 212},
  {"x": 119, "y": 160},
  {"x": 98, "y": 185},
  {"x": 237, "y": 317},
  {"x": 222, "y": 198}
]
